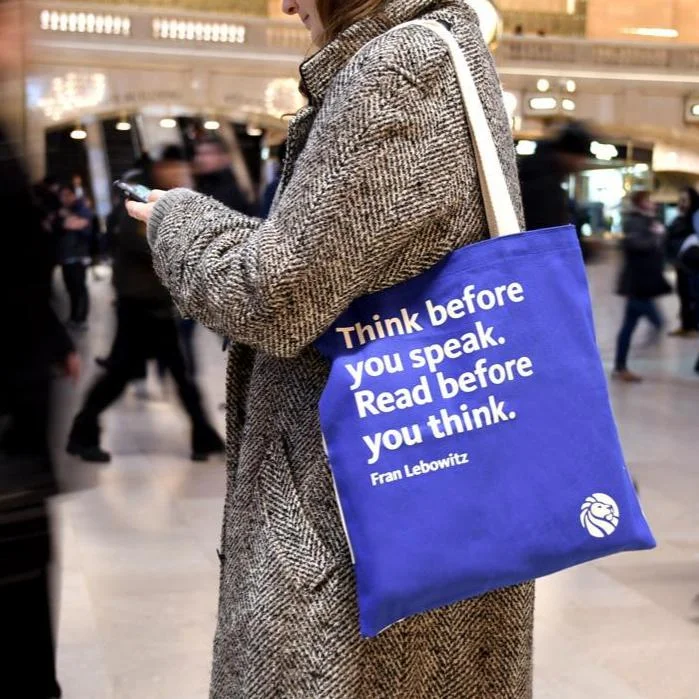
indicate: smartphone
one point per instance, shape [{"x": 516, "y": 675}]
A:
[{"x": 136, "y": 192}]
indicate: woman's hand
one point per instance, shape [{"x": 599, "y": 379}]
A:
[{"x": 142, "y": 212}]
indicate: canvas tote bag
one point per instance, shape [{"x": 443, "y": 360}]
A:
[{"x": 467, "y": 419}]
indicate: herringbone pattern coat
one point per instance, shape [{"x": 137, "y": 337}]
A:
[{"x": 380, "y": 183}]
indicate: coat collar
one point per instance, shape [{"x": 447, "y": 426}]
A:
[{"x": 318, "y": 71}]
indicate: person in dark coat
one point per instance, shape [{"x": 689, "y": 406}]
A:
[
  {"x": 214, "y": 174},
  {"x": 546, "y": 204},
  {"x": 146, "y": 328},
  {"x": 688, "y": 262},
  {"x": 37, "y": 343},
  {"x": 678, "y": 232},
  {"x": 75, "y": 249},
  {"x": 641, "y": 279},
  {"x": 170, "y": 171}
]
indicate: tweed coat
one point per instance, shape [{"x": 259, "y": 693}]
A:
[{"x": 380, "y": 183}]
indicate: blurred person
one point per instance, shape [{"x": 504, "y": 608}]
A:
[
  {"x": 48, "y": 200},
  {"x": 75, "y": 225},
  {"x": 113, "y": 217},
  {"x": 271, "y": 189},
  {"x": 375, "y": 191},
  {"x": 171, "y": 171},
  {"x": 641, "y": 279},
  {"x": 138, "y": 174},
  {"x": 38, "y": 343},
  {"x": 542, "y": 175},
  {"x": 146, "y": 329},
  {"x": 688, "y": 260},
  {"x": 678, "y": 232},
  {"x": 214, "y": 176},
  {"x": 47, "y": 193}
]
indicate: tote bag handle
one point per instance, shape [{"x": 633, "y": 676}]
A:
[{"x": 500, "y": 212}]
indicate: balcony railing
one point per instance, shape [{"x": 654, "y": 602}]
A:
[
  {"x": 552, "y": 24},
  {"x": 553, "y": 51},
  {"x": 96, "y": 25},
  {"x": 256, "y": 8}
]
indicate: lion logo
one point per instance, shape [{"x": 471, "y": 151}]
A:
[{"x": 599, "y": 514}]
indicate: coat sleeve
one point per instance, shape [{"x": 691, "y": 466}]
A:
[{"x": 358, "y": 195}]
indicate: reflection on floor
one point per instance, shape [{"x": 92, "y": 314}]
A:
[{"x": 138, "y": 539}]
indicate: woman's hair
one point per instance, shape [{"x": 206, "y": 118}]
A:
[
  {"x": 693, "y": 200},
  {"x": 338, "y": 15}
]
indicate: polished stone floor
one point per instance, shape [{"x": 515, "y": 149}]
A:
[{"x": 138, "y": 568}]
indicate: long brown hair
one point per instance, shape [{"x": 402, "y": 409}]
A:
[{"x": 338, "y": 15}]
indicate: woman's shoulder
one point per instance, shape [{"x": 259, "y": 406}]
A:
[{"x": 416, "y": 54}]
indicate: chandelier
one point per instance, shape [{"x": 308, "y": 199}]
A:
[
  {"x": 282, "y": 97},
  {"x": 73, "y": 93}
]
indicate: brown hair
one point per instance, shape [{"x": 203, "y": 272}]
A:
[{"x": 338, "y": 15}]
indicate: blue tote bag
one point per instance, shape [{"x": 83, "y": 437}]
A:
[{"x": 467, "y": 420}]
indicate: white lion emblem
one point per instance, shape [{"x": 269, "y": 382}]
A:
[{"x": 599, "y": 514}]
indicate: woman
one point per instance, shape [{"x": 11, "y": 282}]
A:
[
  {"x": 380, "y": 182},
  {"x": 642, "y": 278},
  {"x": 680, "y": 229}
]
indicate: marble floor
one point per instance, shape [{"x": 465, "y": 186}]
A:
[{"x": 138, "y": 571}]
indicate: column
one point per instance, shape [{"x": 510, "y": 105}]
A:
[{"x": 99, "y": 167}]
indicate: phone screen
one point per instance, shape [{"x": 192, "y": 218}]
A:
[
  {"x": 138, "y": 192},
  {"x": 141, "y": 192}
]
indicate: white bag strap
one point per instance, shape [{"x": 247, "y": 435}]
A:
[{"x": 500, "y": 212}]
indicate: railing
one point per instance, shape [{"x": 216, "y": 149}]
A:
[
  {"x": 556, "y": 24},
  {"x": 257, "y": 8},
  {"x": 553, "y": 51},
  {"x": 93, "y": 25}
]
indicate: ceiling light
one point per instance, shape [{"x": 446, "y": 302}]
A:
[
  {"x": 254, "y": 131},
  {"x": 604, "y": 151},
  {"x": 123, "y": 126},
  {"x": 526, "y": 148},
  {"x": 691, "y": 114},
  {"x": 212, "y": 125},
  {"x": 657, "y": 32},
  {"x": 78, "y": 134},
  {"x": 543, "y": 85},
  {"x": 568, "y": 105},
  {"x": 543, "y": 104},
  {"x": 571, "y": 86},
  {"x": 168, "y": 123}
]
